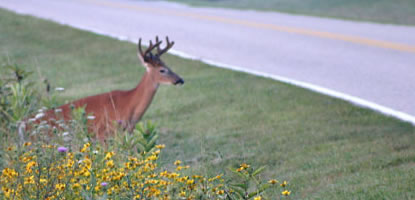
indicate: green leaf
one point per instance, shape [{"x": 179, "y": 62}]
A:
[
  {"x": 258, "y": 171},
  {"x": 238, "y": 191},
  {"x": 241, "y": 185},
  {"x": 151, "y": 143},
  {"x": 259, "y": 191}
]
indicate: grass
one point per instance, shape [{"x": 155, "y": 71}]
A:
[
  {"x": 325, "y": 147},
  {"x": 383, "y": 11}
]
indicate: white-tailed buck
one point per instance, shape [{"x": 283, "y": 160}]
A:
[{"x": 125, "y": 108}]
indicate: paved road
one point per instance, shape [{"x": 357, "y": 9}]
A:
[{"x": 370, "y": 61}]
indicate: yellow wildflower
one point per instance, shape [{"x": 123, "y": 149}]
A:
[
  {"x": 7, "y": 192},
  {"x": 240, "y": 169},
  {"x": 110, "y": 164},
  {"x": 86, "y": 173},
  {"x": 258, "y": 198},
  {"x": 220, "y": 192},
  {"x": 10, "y": 173},
  {"x": 177, "y": 162},
  {"x": 29, "y": 166},
  {"x": 160, "y": 146},
  {"x": 29, "y": 180},
  {"x": 286, "y": 192},
  {"x": 272, "y": 181},
  {"x": 60, "y": 186},
  {"x": 85, "y": 147},
  {"x": 197, "y": 176},
  {"x": 128, "y": 165},
  {"x": 244, "y": 165},
  {"x": 156, "y": 152},
  {"x": 152, "y": 157},
  {"x": 283, "y": 184},
  {"x": 27, "y": 144},
  {"x": 76, "y": 186},
  {"x": 190, "y": 182},
  {"x": 109, "y": 155}
]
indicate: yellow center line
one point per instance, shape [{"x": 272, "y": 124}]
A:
[{"x": 252, "y": 24}]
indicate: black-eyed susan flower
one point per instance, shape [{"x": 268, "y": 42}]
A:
[
  {"x": 27, "y": 144},
  {"x": 110, "y": 164},
  {"x": 286, "y": 192},
  {"x": 60, "y": 186},
  {"x": 177, "y": 162},
  {"x": 284, "y": 184},
  {"x": 85, "y": 148},
  {"x": 29, "y": 180},
  {"x": 245, "y": 166},
  {"x": 109, "y": 155}
]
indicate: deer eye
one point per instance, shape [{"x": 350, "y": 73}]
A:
[{"x": 162, "y": 71}]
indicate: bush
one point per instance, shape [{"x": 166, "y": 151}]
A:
[{"x": 71, "y": 165}]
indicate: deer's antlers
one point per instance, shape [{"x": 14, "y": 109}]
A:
[
  {"x": 168, "y": 46},
  {"x": 151, "y": 47}
]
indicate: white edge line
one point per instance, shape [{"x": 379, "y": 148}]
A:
[{"x": 355, "y": 100}]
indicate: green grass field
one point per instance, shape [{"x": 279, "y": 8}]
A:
[
  {"x": 383, "y": 11},
  {"x": 325, "y": 147}
]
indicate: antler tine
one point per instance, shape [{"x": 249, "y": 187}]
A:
[
  {"x": 139, "y": 50},
  {"x": 158, "y": 46},
  {"x": 168, "y": 46},
  {"x": 151, "y": 47}
]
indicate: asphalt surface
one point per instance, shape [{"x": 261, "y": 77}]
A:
[{"x": 375, "y": 62}]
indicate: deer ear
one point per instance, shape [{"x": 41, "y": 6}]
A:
[{"x": 143, "y": 62}]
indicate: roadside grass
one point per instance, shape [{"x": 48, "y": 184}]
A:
[
  {"x": 382, "y": 11},
  {"x": 325, "y": 147}
]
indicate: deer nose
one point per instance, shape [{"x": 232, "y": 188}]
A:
[{"x": 180, "y": 81}]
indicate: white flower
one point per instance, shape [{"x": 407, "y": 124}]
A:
[
  {"x": 65, "y": 133},
  {"x": 91, "y": 117},
  {"x": 95, "y": 152},
  {"x": 58, "y": 110},
  {"x": 32, "y": 119},
  {"x": 39, "y": 115},
  {"x": 59, "y": 89}
]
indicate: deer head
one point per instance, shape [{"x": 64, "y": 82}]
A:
[{"x": 156, "y": 69}]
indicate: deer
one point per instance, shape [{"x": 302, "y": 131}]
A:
[{"x": 124, "y": 108}]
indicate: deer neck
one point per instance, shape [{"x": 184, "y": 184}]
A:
[{"x": 142, "y": 96}]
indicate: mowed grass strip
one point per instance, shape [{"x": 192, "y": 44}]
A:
[
  {"x": 325, "y": 147},
  {"x": 383, "y": 11}
]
